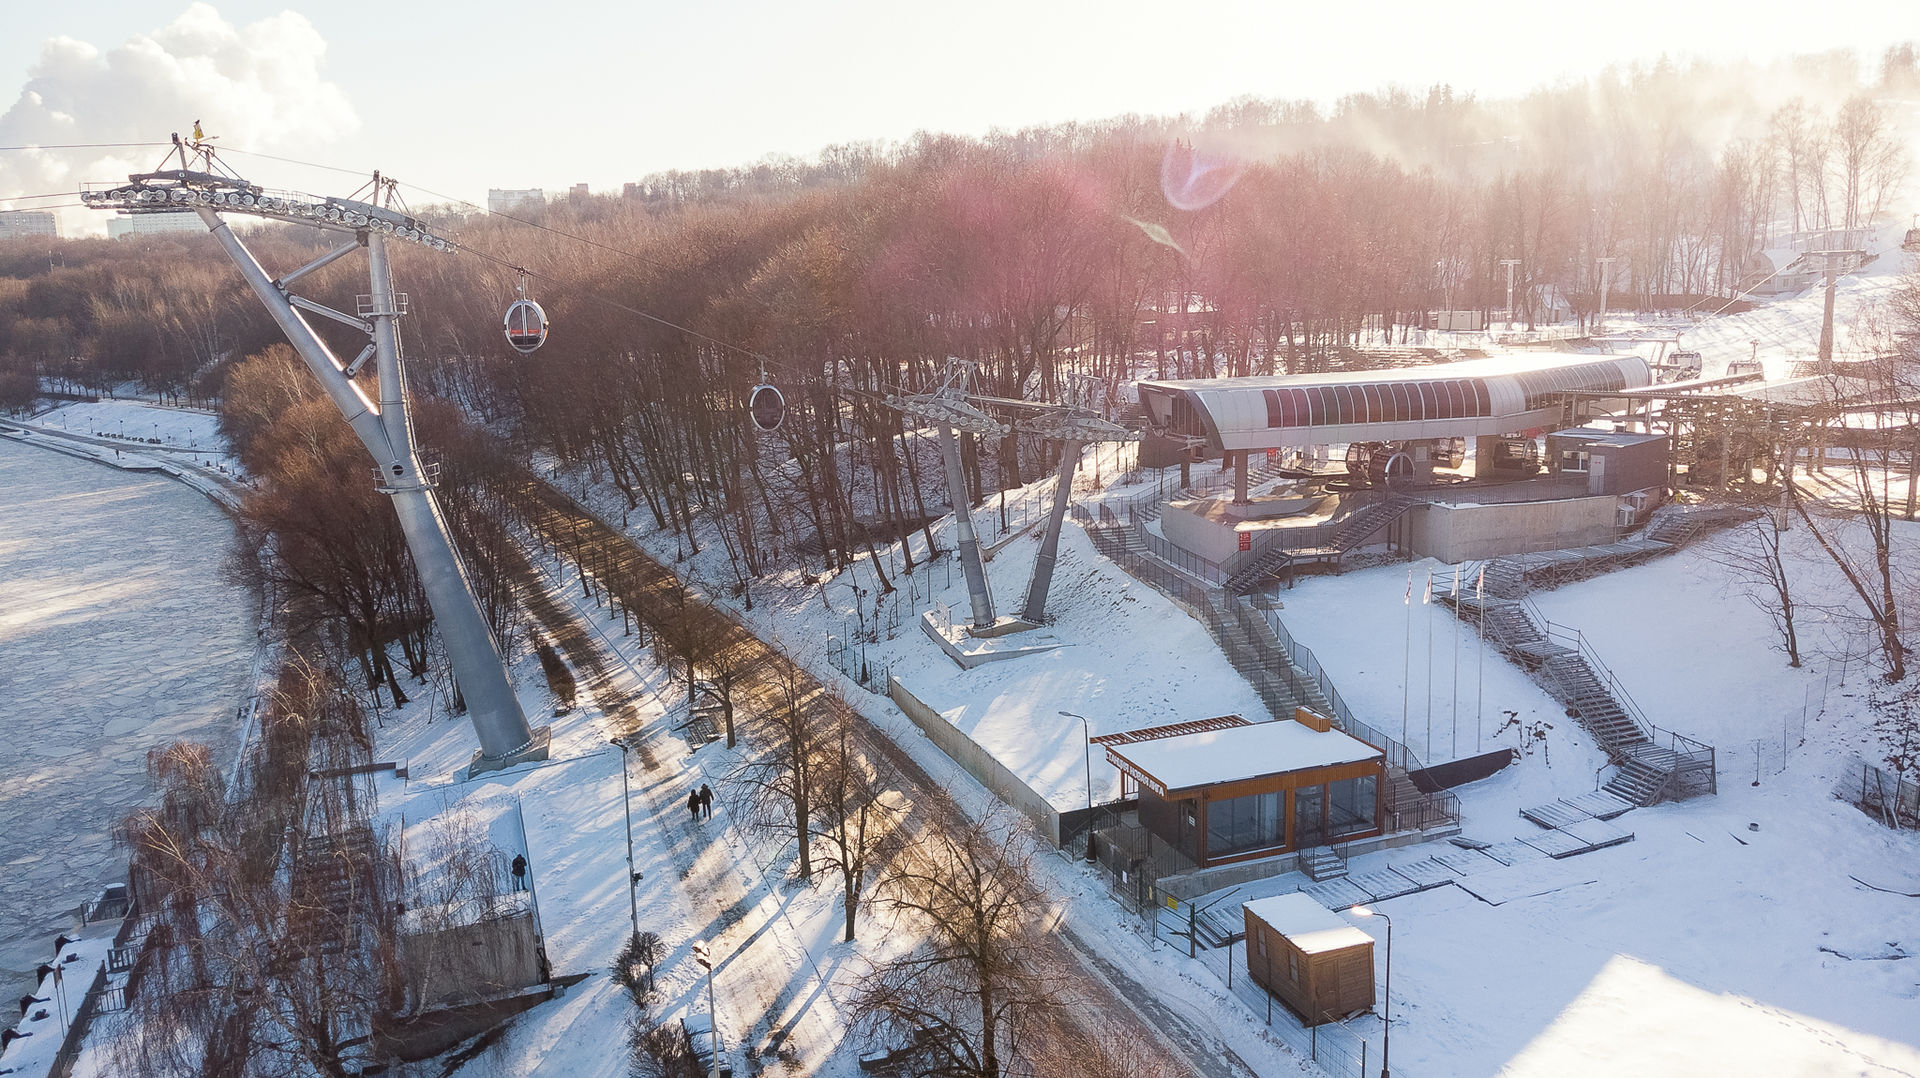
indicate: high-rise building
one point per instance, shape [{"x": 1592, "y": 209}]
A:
[
  {"x": 577, "y": 191},
  {"x": 146, "y": 224},
  {"x": 499, "y": 201},
  {"x": 16, "y": 223}
]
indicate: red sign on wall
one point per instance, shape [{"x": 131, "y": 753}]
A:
[{"x": 1246, "y": 540}]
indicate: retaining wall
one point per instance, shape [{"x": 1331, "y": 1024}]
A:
[{"x": 977, "y": 762}]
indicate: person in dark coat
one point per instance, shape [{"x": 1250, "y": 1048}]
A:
[
  {"x": 519, "y": 872},
  {"x": 706, "y": 800},
  {"x": 693, "y": 804}
]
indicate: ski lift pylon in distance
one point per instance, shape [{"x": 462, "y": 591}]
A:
[
  {"x": 526, "y": 323},
  {"x": 767, "y": 406}
]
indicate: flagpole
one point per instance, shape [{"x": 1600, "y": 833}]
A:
[
  {"x": 1406, "y": 665},
  {"x": 1480, "y": 691},
  {"x": 1427, "y": 599},
  {"x": 1456, "y": 662}
]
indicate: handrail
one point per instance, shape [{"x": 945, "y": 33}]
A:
[{"x": 1600, "y": 669}]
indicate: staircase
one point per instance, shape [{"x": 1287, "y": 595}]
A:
[
  {"x": 1249, "y": 644},
  {"x": 1345, "y": 535},
  {"x": 1678, "y": 526},
  {"x": 1646, "y": 771},
  {"x": 1321, "y": 863}
]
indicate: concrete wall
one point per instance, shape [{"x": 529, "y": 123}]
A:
[
  {"x": 1459, "y": 533},
  {"x": 975, "y": 761},
  {"x": 1213, "y": 540}
]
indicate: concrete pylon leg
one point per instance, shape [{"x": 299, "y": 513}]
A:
[
  {"x": 1036, "y": 608},
  {"x": 970, "y": 563}
]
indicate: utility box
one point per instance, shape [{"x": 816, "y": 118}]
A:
[
  {"x": 1320, "y": 966},
  {"x": 1459, "y": 321}
]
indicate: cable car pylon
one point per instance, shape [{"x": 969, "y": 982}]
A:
[{"x": 383, "y": 425}]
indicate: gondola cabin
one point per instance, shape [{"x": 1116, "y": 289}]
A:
[
  {"x": 767, "y": 407},
  {"x": 526, "y": 326}
]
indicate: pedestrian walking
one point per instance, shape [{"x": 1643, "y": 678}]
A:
[
  {"x": 519, "y": 867},
  {"x": 706, "y": 800},
  {"x": 693, "y": 805}
]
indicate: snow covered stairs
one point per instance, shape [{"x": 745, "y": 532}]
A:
[
  {"x": 1251, "y": 647},
  {"x": 1645, "y": 771},
  {"x": 1270, "y": 563},
  {"x": 1322, "y": 864}
]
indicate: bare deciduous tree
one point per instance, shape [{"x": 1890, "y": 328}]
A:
[
  {"x": 1752, "y": 554},
  {"x": 977, "y": 984}
]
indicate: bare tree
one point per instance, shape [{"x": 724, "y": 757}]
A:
[
  {"x": 776, "y": 786},
  {"x": 976, "y": 985},
  {"x": 1752, "y": 554},
  {"x": 852, "y": 820},
  {"x": 269, "y": 916}
]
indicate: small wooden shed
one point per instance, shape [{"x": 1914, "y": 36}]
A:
[{"x": 1319, "y": 965}]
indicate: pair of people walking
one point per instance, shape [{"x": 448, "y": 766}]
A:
[{"x": 700, "y": 802}]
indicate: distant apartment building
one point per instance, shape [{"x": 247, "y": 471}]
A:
[
  {"x": 147, "y": 224},
  {"x": 499, "y": 201},
  {"x": 17, "y": 223},
  {"x": 577, "y": 191}
]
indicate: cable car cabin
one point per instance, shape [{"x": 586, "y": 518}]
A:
[
  {"x": 767, "y": 407},
  {"x": 526, "y": 326}
]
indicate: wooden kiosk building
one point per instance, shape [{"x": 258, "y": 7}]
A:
[
  {"x": 1302, "y": 952},
  {"x": 1224, "y": 790}
]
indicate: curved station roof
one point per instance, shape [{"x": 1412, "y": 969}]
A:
[{"x": 1502, "y": 395}]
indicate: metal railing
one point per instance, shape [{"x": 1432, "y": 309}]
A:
[
  {"x": 1433, "y": 810},
  {"x": 1882, "y": 794}
]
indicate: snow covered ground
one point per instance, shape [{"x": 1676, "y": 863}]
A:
[{"x": 1703, "y": 946}]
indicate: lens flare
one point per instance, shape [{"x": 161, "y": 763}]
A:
[{"x": 1193, "y": 179}]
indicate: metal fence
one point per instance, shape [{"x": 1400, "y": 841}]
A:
[
  {"x": 848, "y": 654},
  {"x": 1339, "y": 1048},
  {"x": 1881, "y": 794}
]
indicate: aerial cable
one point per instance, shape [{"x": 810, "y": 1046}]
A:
[
  {"x": 88, "y": 146},
  {"x": 524, "y": 273}
]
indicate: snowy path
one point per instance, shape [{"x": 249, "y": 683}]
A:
[{"x": 767, "y": 981}]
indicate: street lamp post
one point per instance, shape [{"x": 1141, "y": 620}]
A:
[
  {"x": 705, "y": 958},
  {"x": 1386, "y": 992},
  {"x": 1087, "y": 730},
  {"x": 626, "y": 798}
]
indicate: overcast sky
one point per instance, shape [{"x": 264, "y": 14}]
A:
[{"x": 458, "y": 98}]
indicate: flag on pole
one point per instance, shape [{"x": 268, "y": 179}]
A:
[
  {"x": 1407, "y": 599},
  {"x": 1428, "y": 596},
  {"x": 1480, "y": 584},
  {"x": 1456, "y": 586}
]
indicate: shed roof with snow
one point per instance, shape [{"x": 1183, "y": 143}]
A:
[{"x": 1311, "y": 927}]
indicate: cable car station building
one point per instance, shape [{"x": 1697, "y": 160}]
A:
[{"x": 1399, "y": 427}]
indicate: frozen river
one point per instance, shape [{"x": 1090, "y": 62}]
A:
[{"x": 117, "y": 634}]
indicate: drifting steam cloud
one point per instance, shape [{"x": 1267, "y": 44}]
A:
[{"x": 259, "y": 87}]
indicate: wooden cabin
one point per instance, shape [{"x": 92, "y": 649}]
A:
[
  {"x": 1224, "y": 790},
  {"x": 1320, "y": 966}
]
